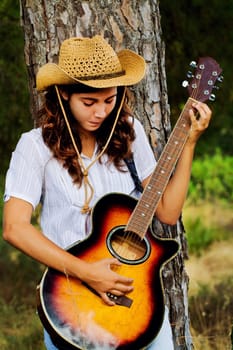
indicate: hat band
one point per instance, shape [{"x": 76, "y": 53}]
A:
[{"x": 102, "y": 76}]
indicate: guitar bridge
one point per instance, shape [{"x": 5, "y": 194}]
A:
[{"x": 121, "y": 300}]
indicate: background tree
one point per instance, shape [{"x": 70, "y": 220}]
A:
[{"x": 131, "y": 24}]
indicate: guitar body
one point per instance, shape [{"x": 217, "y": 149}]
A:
[{"x": 77, "y": 318}]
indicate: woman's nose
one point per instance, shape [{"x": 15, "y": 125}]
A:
[{"x": 100, "y": 111}]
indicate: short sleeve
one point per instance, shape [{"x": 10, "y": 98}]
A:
[{"x": 24, "y": 178}]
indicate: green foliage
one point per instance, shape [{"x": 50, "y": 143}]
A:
[
  {"x": 212, "y": 178},
  {"x": 1, "y": 196},
  {"x": 211, "y": 183},
  {"x": 201, "y": 235},
  {"x": 198, "y": 235},
  {"x": 14, "y": 95}
]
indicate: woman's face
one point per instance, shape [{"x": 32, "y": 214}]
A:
[{"x": 90, "y": 109}]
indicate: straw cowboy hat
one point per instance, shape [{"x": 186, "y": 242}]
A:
[{"x": 93, "y": 62}]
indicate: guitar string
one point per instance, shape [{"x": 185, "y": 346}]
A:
[{"x": 130, "y": 236}]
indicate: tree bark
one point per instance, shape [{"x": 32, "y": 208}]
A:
[{"x": 132, "y": 24}]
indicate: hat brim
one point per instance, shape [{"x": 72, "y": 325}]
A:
[{"x": 132, "y": 64}]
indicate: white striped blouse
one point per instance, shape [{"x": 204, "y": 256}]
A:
[{"x": 35, "y": 176}]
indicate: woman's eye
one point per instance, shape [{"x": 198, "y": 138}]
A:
[
  {"x": 91, "y": 103},
  {"x": 110, "y": 101}
]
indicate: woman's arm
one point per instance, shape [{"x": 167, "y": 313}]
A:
[
  {"x": 172, "y": 201},
  {"x": 18, "y": 231}
]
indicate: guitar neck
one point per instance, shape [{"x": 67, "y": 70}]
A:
[{"x": 146, "y": 206}]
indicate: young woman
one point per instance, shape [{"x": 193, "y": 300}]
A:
[{"x": 76, "y": 155}]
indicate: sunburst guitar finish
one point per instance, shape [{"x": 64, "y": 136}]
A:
[{"x": 77, "y": 318}]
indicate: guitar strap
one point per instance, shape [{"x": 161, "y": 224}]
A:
[{"x": 133, "y": 171}]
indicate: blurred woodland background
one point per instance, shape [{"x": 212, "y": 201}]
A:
[{"x": 190, "y": 30}]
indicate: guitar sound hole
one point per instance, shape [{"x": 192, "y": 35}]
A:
[{"x": 128, "y": 247}]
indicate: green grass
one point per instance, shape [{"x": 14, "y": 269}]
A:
[
  {"x": 211, "y": 313},
  {"x": 20, "y": 327},
  {"x": 201, "y": 235}
]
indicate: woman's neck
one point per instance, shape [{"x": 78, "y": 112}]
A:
[{"x": 88, "y": 141}]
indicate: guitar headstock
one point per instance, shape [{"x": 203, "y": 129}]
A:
[{"x": 207, "y": 73}]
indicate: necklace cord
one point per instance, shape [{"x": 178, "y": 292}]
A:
[{"x": 87, "y": 185}]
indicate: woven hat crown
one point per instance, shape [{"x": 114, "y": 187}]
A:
[
  {"x": 88, "y": 58},
  {"x": 93, "y": 62}
]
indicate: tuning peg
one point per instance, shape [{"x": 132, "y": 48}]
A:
[
  {"x": 193, "y": 64},
  {"x": 185, "y": 83},
  {"x": 189, "y": 74},
  {"x": 212, "y": 97},
  {"x": 220, "y": 79}
]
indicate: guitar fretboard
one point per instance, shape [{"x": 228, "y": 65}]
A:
[{"x": 146, "y": 206}]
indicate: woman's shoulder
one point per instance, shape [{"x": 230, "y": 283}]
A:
[
  {"x": 32, "y": 141},
  {"x": 34, "y": 135}
]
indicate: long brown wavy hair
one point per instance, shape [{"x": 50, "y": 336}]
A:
[{"x": 57, "y": 138}]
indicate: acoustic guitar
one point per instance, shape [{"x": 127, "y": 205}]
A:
[{"x": 73, "y": 314}]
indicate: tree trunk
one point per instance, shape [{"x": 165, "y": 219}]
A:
[{"x": 132, "y": 24}]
